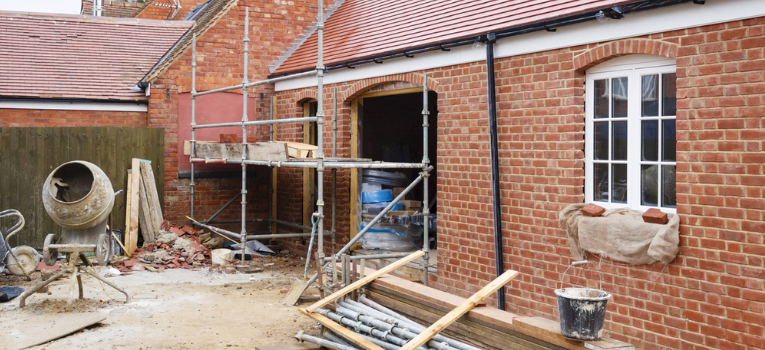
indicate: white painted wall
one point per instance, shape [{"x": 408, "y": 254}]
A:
[
  {"x": 69, "y": 7},
  {"x": 660, "y": 20}
]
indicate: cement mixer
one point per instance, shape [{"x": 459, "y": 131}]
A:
[{"x": 79, "y": 197}]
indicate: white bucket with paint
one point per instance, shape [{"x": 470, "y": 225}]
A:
[{"x": 221, "y": 257}]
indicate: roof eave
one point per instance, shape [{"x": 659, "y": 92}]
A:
[{"x": 550, "y": 25}]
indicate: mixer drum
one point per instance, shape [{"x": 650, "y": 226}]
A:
[{"x": 78, "y": 195}]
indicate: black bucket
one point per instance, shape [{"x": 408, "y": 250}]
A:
[{"x": 582, "y": 312}]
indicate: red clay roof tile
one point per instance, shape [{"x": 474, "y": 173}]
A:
[
  {"x": 83, "y": 57},
  {"x": 366, "y": 28}
]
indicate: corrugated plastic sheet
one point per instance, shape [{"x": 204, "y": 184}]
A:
[
  {"x": 80, "y": 57},
  {"x": 367, "y": 28}
]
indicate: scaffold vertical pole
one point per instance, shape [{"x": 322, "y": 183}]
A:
[
  {"x": 320, "y": 129},
  {"x": 271, "y": 173},
  {"x": 192, "y": 184},
  {"x": 426, "y": 180},
  {"x": 246, "y": 41},
  {"x": 334, "y": 170}
]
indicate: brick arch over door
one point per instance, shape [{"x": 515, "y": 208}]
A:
[
  {"x": 607, "y": 51},
  {"x": 362, "y": 86}
]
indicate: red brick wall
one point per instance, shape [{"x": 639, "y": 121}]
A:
[
  {"x": 289, "y": 191},
  {"x": 712, "y": 296},
  {"x": 219, "y": 54},
  {"x": 33, "y": 117},
  {"x": 159, "y": 9}
]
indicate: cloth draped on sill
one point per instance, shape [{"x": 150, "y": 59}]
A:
[{"x": 621, "y": 235}]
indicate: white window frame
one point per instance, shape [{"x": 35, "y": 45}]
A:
[{"x": 633, "y": 67}]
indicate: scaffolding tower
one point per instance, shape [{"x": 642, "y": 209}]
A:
[{"x": 321, "y": 163}]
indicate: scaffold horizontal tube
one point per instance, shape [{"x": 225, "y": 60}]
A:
[
  {"x": 256, "y": 122},
  {"x": 374, "y": 256},
  {"x": 261, "y": 82},
  {"x": 289, "y": 224},
  {"x": 232, "y": 221},
  {"x": 293, "y": 225},
  {"x": 239, "y": 236},
  {"x": 337, "y": 165},
  {"x": 218, "y": 230},
  {"x": 313, "y": 164},
  {"x": 278, "y": 235}
]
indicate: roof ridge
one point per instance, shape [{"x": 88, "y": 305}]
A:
[
  {"x": 95, "y": 19},
  {"x": 303, "y": 37}
]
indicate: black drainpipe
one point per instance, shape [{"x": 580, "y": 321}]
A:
[{"x": 499, "y": 256}]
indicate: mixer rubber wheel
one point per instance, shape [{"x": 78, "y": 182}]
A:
[
  {"x": 28, "y": 260},
  {"x": 103, "y": 249},
  {"x": 50, "y": 255}
]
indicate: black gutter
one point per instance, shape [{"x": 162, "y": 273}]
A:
[
  {"x": 611, "y": 12},
  {"x": 494, "y": 147}
]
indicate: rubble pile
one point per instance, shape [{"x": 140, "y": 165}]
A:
[{"x": 176, "y": 246}]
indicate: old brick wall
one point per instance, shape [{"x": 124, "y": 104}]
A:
[
  {"x": 712, "y": 296},
  {"x": 45, "y": 117},
  {"x": 273, "y": 25}
]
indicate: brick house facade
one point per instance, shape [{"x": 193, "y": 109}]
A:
[
  {"x": 219, "y": 52},
  {"x": 711, "y": 296}
]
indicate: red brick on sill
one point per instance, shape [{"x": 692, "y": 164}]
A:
[
  {"x": 593, "y": 210},
  {"x": 655, "y": 216}
]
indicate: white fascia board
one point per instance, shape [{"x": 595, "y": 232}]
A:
[
  {"x": 660, "y": 20},
  {"x": 76, "y": 106}
]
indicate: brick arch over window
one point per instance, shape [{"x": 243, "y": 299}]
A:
[
  {"x": 362, "y": 86},
  {"x": 305, "y": 96},
  {"x": 607, "y": 51}
]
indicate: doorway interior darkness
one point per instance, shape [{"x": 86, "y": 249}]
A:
[{"x": 391, "y": 130}]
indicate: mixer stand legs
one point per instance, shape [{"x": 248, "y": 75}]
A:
[
  {"x": 79, "y": 286},
  {"x": 76, "y": 271},
  {"x": 30, "y": 291},
  {"x": 110, "y": 284}
]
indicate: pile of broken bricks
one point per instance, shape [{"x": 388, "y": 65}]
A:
[{"x": 176, "y": 246}]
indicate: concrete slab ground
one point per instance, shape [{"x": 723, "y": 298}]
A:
[{"x": 174, "y": 309}]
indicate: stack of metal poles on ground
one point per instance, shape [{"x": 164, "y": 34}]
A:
[{"x": 378, "y": 324}]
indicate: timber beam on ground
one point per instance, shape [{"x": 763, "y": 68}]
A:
[{"x": 483, "y": 326}]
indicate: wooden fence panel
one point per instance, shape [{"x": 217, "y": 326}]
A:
[{"x": 29, "y": 155}]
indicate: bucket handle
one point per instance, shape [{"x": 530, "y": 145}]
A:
[{"x": 583, "y": 262}]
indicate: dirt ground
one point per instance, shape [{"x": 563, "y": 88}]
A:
[{"x": 174, "y": 309}]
